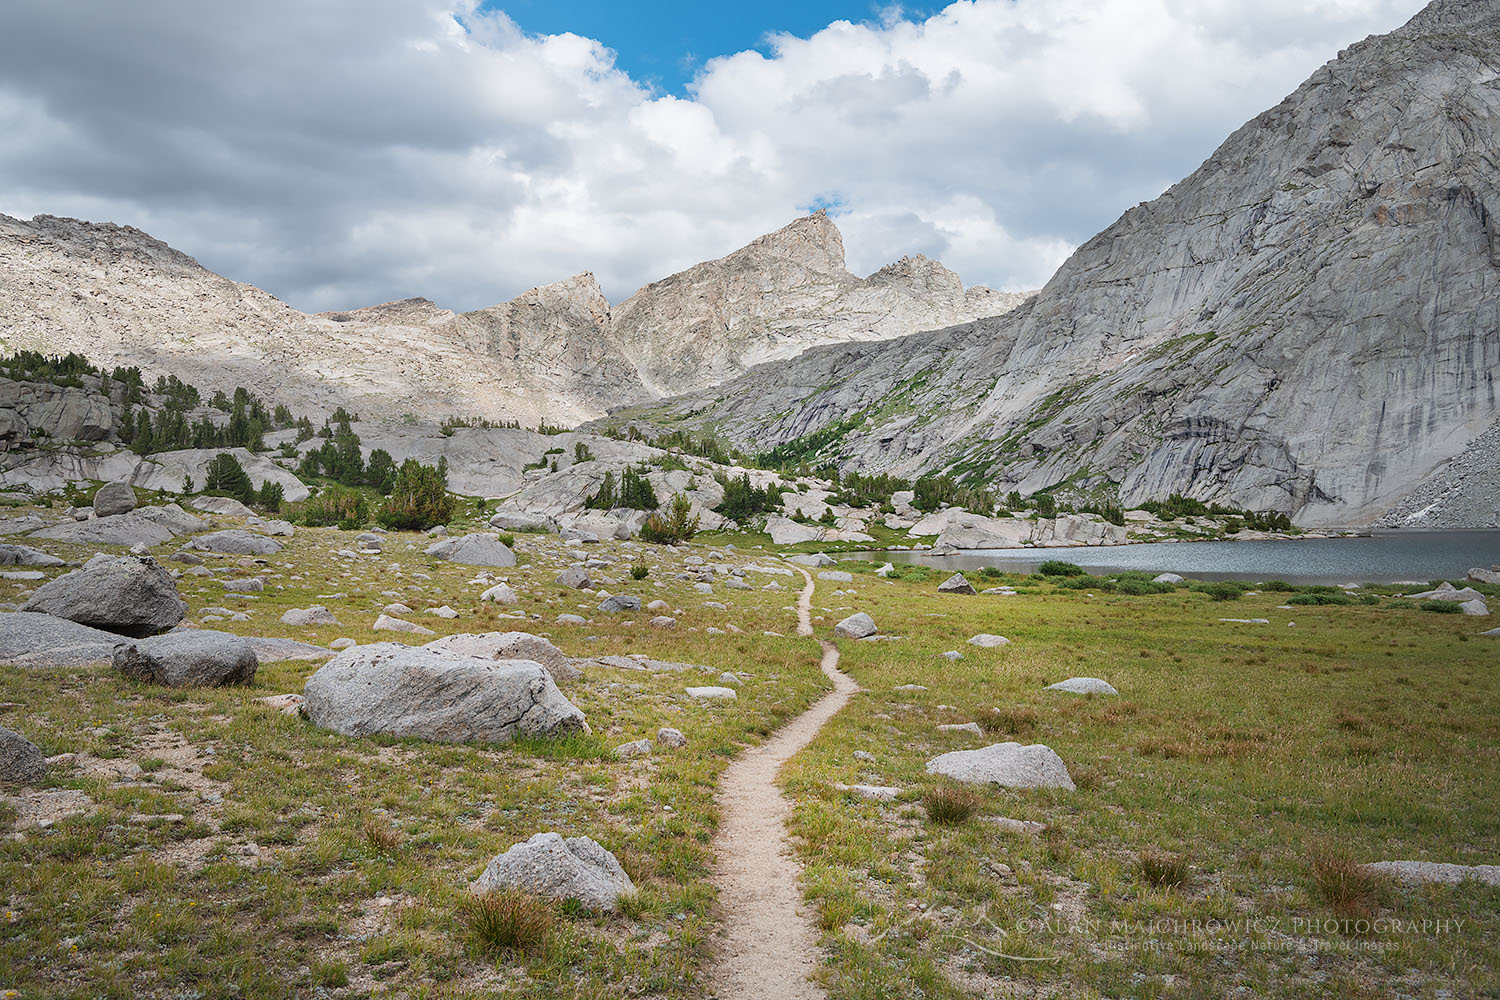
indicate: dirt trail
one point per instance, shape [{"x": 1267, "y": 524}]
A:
[{"x": 768, "y": 947}]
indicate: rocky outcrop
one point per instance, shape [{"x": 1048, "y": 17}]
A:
[
  {"x": 42, "y": 470},
  {"x": 1305, "y": 324}
]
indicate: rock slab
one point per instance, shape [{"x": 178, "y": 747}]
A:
[
  {"x": 437, "y": 695},
  {"x": 21, "y": 761},
  {"x": 1010, "y": 765}
]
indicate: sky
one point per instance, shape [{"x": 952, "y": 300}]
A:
[{"x": 349, "y": 152}]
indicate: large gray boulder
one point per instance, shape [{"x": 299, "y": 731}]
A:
[
  {"x": 1009, "y": 765},
  {"x": 29, "y": 639},
  {"x": 510, "y": 646},
  {"x": 237, "y": 542},
  {"x": 114, "y": 498},
  {"x": 436, "y": 695},
  {"x": 1481, "y": 575},
  {"x": 131, "y": 595},
  {"x": 21, "y": 761},
  {"x": 24, "y": 555},
  {"x": 554, "y": 868},
  {"x": 191, "y": 658},
  {"x": 124, "y": 530},
  {"x": 956, "y": 584},
  {"x": 519, "y": 521},
  {"x": 473, "y": 550},
  {"x": 857, "y": 626}
]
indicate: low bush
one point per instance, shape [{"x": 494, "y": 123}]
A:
[
  {"x": 639, "y": 571},
  {"x": 1056, "y": 567},
  {"x": 1443, "y": 607},
  {"x": 1320, "y": 599},
  {"x": 1220, "y": 590},
  {"x": 347, "y": 508},
  {"x": 1163, "y": 869}
]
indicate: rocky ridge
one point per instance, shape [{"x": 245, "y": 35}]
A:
[
  {"x": 558, "y": 353},
  {"x": 1304, "y": 324}
]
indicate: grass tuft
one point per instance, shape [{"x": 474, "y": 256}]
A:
[
  {"x": 950, "y": 805},
  {"x": 1348, "y": 888},
  {"x": 507, "y": 918},
  {"x": 1163, "y": 869}
]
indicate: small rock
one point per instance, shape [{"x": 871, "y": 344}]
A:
[
  {"x": 343, "y": 642},
  {"x": 385, "y": 623},
  {"x": 635, "y": 748},
  {"x": 114, "y": 498},
  {"x": 712, "y": 693},
  {"x": 669, "y": 737},
  {"x": 856, "y": 626},
  {"x": 196, "y": 658},
  {"x": 986, "y": 641},
  {"x": 21, "y": 761},
  {"x": 876, "y": 793},
  {"x": 547, "y": 865},
  {"x": 956, "y": 584},
  {"x": 961, "y": 727},
  {"x": 1009, "y": 765},
  {"x": 663, "y": 622},
  {"x": 574, "y": 576},
  {"x": 620, "y": 602},
  {"x": 1083, "y": 685},
  {"x": 315, "y": 615},
  {"x": 500, "y": 593}
]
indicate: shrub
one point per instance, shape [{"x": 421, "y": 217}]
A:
[
  {"x": 419, "y": 499},
  {"x": 949, "y": 805},
  {"x": 676, "y": 524},
  {"x": 1056, "y": 567},
  {"x": 227, "y": 477},
  {"x": 1278, "y": 586},
  {"x": 639, "y": 571},
  {"x": 1443, "y": 607},
  {"x": 336, "y": 505},
  {"x": 507, "y": 918},
  {"x": 1221, "y": 590},
  {"x": 507, "y": 539},
  {"x": 1163, "y": 869},
  {"x": 1320, "y": 599},
  {"x": 1137, "y": 587}
]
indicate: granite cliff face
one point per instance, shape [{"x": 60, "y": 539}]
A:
[
  {"x": 1309, "y": 323},
  {"x": 557, "y": 353}
]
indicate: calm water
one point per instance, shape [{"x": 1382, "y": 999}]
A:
[{"x": 1385, "y": 557}]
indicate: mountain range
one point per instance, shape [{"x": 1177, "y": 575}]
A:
[{"x": 1308, "y": 323}]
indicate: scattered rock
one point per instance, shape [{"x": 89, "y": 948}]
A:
[
  {"x": 270, "y": 649},
  {"x": 814, "y": 560},
  {"x": 437, "y": 695},
  {"x": 192, "y": 658},
  {"x": 500, "y": 593},
  {"x": 856, "y": 626},
  {"x": 1476, "y": 608},
  {"x": 669, "y": 737},
  {"x": 315, "y": 615},
  {"x": 956, "y": 584},
  {"x": 664, "y": 622},
  {"x": 961, "y": 727},
  {"x": 1171, "y": 578},
  {"x": 385, "y": 623},
  {"x": 114, "y": 498},
  {"x": 986, "y": 641},
  {"x": 635, "y": 748},
  {"x": 130, "y": 595},
  {"x": 549, "y": 866},
  {"x": 712, "y": 693},
  {"x": 247, "y": 585},
  {"x": 836, "y": 576},
  {"x": 1083, "y": 685},
  {"x": 221, "y": 505},
  {"x": 473, "y": 550},
  {"x": 442, "y": 612},
  {"x": 1434, "y": 871},
  {"x": 1009, "y": 765},
  {"x": 620, "y": 602},
  {"x": 236, "y": 542},
  {"x": 1021, "y": 826},
  {"x": 1490, "y": 576},
  {"x": 876, "y": 793},
  {"x": 23, "y": 555},
  {"x": 21, "y": 761},
  {"x": 343, "y": 642},
  {"x": 286, "y": 704},
  {"x": 952, "y": 654},
  {"x": 571, "y": 620},
  {"x": 574, "y": 576}
]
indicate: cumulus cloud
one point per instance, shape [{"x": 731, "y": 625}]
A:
[{"x": 355, "y": 151}]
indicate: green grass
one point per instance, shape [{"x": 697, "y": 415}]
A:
[{"x": 1261, "y": 763}]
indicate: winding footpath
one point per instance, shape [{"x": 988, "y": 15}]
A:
[{"x": 769, "y": 947}]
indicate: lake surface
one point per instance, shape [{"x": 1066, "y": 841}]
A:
[{"x": 1384, "y": 557}]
